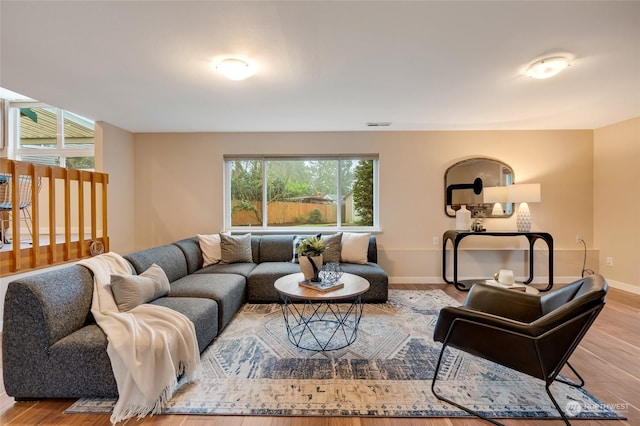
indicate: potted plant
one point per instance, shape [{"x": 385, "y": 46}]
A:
[{"x": 310, "y": 257}]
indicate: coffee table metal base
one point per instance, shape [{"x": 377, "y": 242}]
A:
[{"x": 326, "y": 325}]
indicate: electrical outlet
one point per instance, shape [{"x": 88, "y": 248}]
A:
[
  {"x": 579, "y": 239},
  {"x": 609, "y": 261},
  {"x": 435, "y": 241}
]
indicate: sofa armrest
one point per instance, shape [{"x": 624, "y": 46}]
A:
[
  {"x": 372, "y": 251},
  {"x": 38, "y": 311}
]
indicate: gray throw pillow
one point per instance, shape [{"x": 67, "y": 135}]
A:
[
  {"x": 333, "y": 247},
  {"x": 130, "y": 291},
  {"x": 236, "y": 248}
]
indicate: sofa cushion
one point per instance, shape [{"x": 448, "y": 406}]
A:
[
  {"x": 210, "y": 247},
  {"x": 193, "y": 254},
  {"x": 260, "y": 282},
  {"x": 276, "y": 248},
  {"x": 78, "y": 366},
  {"x": 169, "y": 257},
  {"x": 236, "y": 248},
  {"x": 191, "y": 249},
  {"x": 355, "y": 247},
  {"x": 333, "y": 247},
  {"x": 378, "y": 280},
  {"x": 130, "y": 291},
  {"x": 243, "y": 269},
  {"x": 202, "y": 312},
  {"x": 228, "y": 290}
]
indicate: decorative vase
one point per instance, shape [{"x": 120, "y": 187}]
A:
[
  {"x": 310, "y": 266},
  {"x": 463, "y": 219}
]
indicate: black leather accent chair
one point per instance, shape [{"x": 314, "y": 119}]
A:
[{"x": 531, "y": 334}]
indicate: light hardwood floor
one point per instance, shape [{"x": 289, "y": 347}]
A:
[{"x": 608, "y": 359}]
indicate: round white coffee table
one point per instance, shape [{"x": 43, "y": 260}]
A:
[{"x": 321, "y": 321}]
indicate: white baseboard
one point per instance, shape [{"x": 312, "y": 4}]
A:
[
  {"x": 624, "y": 286},
  {"x": 416, "y": 280}
]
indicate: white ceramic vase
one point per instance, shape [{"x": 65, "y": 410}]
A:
[
  {"x": 307, "y": 269},
  {"x": 463, "y": 219}
]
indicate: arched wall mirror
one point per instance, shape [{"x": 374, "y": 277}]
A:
[{"x": 480, "y": 184}]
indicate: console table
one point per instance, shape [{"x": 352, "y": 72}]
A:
[{"x": 456, "y": 236}]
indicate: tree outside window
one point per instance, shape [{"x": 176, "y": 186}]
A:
[{"x": 301, "y": 192}]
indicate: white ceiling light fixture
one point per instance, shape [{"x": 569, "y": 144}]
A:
[
  {"x": 235, "y": 69},
  {"x": 548, "y": 67}
]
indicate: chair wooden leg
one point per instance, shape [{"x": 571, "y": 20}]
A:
[{"x": 455, "y": 404}]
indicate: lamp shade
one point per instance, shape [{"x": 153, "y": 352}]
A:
[
  {"x": 494, "y": 194},
  {"x": 524, "y": 193}
]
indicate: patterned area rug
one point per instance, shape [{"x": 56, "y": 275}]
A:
[{"x": 252, "y": 369}]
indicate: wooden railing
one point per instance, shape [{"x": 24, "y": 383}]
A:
[{"x": 67, "y": 217}]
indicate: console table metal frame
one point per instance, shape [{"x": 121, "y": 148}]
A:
[{"x": 457, "y": 236}]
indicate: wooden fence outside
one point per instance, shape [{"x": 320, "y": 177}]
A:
[
  {"x": 80, "y": 195},
  {"x": 284, "y": 213}
]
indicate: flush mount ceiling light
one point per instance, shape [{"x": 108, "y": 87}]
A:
[
  {"x": 547, "y": 67},
  {"x": 235, "y": 69}
]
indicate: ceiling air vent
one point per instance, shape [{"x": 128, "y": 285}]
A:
[{"x": 379, "y": 124}]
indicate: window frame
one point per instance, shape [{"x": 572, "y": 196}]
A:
[
  {"x": 62, "y": 149},
  {"x": 264, "y": 228}
]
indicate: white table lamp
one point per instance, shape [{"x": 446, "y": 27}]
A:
[
  {"x": 523, "y": 194},
  {"x": 495, "y": 195}
]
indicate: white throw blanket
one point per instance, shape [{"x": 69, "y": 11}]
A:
[{"x": 149, "y": 346}]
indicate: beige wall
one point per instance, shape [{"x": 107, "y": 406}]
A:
[
  {"x": 179, "y": 190},
  {"x": 617, "y": 202},
  {"x": 115, "y": 156}
]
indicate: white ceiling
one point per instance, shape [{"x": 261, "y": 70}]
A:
[{"x": 145, "y": 66}]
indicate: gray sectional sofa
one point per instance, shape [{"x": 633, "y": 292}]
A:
[{"x": 52, "y": 347}]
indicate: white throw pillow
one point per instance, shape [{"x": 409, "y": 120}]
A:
[
  {"x": 210, "y": 247},
  {"x": 355, "y": 247}
]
